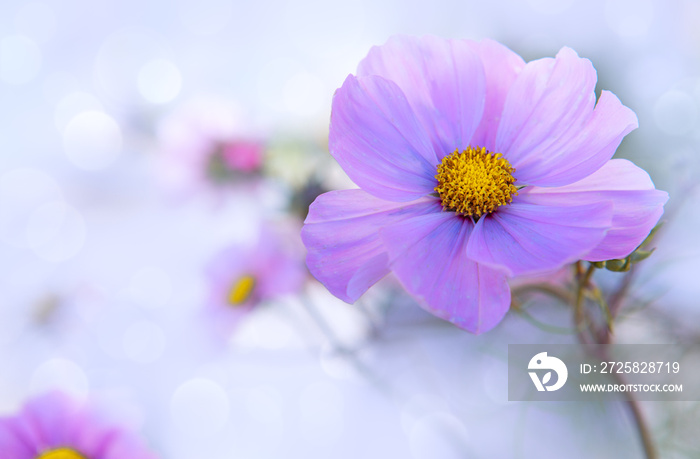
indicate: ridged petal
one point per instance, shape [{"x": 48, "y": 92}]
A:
[
  {"x": 379, "y": 143},
  {"x": 501, "y": 67},
  {"x": 637, "y": 206},
  {"x": 552, "y": 131},
  {"x": 443, "y": 81},
  {"x": 428, "y": 255},
  {"x": 537, "y": 233},
  {"x": 341, "y": 234}
]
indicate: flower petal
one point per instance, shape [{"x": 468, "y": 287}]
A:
[
  {"x": 501, "y": 67},
  {"x": 12, "y": 440},
  {"x": 50, "y": 419},
  {"x": 377, "y": 140},
  {"x": 637, "y": 206},
  {"x": 341, "y": 235},
  {"x": 537, "y": 233},
  {"x": 428, "y": 254},
  {"x": 550, "y": 131},
  {"x": 442, "y": 79}
]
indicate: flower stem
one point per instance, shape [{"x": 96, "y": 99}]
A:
[
  {"x": 637, "y": 415},
  {"x": 642, "y": 428},
  {"x": 323, "y": 325},
  {"x": 585, "y": 331},
  {"x": 341, "y": 349},
  {"x": 579, "y": 307}
]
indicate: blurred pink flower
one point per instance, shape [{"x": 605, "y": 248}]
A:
[
  {"x": 206, "y": 143},
  {"x": 245, "y": 275},
  {"x": 54, "y": 426}
]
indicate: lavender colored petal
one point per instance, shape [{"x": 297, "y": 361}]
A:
[
  {"x": 93, "y": 438},
  {"x": 501, "y": 67},
  {"x": 379, "y": 143},
  {"x": 12, "y": 441},
  {"x": 537, "y": 233},
  {"x": 49, "y": 417},
  {"x": 341, "y": 235},
  {"x": 443, "y": 81},
  {"x": 552, "y": 131},
  {"x": 278, "y": 260},
  {"x": 54, "y": 420},
  {"x": 428, "y": 254},
  {"x": 126, "y": 446},
  {"x": 637, "y": 206},
  {"x": 284, "y": 274}
]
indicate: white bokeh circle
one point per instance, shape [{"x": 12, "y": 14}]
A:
[
  {"x": 59, "y": 373},
  {"x": 72, "y": 105},
  {"x": 159, "y": 81},
  {"x": 92, "y": 140}
]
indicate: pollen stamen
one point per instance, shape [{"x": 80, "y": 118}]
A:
[
  {"x": 475, "y": 181},
  {"x": 241, "y": 290},
  {"x": 61, "y": 453}
]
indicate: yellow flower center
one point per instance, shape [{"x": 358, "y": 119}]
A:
[
  {"x": 475, "y": 181},
  {"x": 61, "y": 453},
  {"x": 241, "y": 290}
]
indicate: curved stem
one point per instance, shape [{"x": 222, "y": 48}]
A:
[
  {"x": 323, "y": 325},
  {"x": 579, "y": 307},
  {"x": 582, "y": 326},
  {"x": 642, "y": 428},
  {"x": 638, "y": 416}
]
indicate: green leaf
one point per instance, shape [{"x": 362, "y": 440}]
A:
[
  {"x": 652, "y": 233},
  {"x": 639, "y": 255}
]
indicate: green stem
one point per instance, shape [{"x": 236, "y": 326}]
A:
[
  {"x": 582, "y": 326},
  {"x": 633, "y": 405},
  {"x": 642, "y": 428},
  {"x": 580, "y": 321}
]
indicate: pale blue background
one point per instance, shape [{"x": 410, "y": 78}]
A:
[{"x": 86, "y": 232}]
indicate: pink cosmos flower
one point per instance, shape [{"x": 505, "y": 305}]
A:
[
  {"x": 54, "y": 426},
  {"x": 473, "y": 166},
  {"x": 244, "y": 275},
  {"x": 206, "y": 142}
]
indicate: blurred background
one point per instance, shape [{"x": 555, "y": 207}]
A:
[{"x": 141, "y": 140}]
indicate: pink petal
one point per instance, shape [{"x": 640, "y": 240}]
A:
[
  {"x": 637, "y": 206},
  {"x": 550, "y": 131},
  {"x": 536, "y": 233},
  {"x": 377, "y": 140},
  {"x": 428, "y": 254},
  {"x": 345, "y": 252},
  {"x": 12, "y": 441},
  {"x": 50, "y": 419},
  {"x": 443, "y": 81},
  {"x": 501, "y": 67}
]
